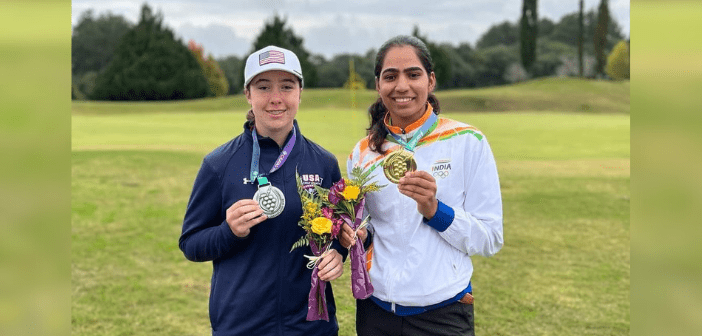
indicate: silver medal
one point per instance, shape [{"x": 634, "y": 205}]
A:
[{"x": 270, "y": 199}]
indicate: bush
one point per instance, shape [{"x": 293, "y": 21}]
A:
[
  {"x": 618, "y": 61},
  {"x": 516, "y": 73},
  {"x": 569, "y": 66},
  {"x": 85, "y": 84}
]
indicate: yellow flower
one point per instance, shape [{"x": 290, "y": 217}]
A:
[
  {"x": 310, "y": 207},
  {"x": 350, "y": 192},
  {"x": 307, "y": 216},
  {"x": 321, "y": 225}
]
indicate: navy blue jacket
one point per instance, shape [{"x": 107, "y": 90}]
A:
[{"x": 259, "y": 287}]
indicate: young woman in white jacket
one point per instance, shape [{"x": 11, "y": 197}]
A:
[{"x": 441, "y": 203}]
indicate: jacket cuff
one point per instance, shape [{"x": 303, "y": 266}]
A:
[
  {"x": 369, "y": 240},
  {"x": 442, "y": 218},
  {"x": 342, "y": 250},
  {"x": 228, "y": 234}
]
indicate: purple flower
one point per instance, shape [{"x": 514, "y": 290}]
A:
[
  {"x": 335, "y": 192},
  {"x": 327, "y": 212},
  {"x": 336, "y": 227}
]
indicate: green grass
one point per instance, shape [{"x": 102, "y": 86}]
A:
[
  {"x": 666, "y": 147},
  {"x": 548, "y": 94},
  {"x": 564, "y": 269}
]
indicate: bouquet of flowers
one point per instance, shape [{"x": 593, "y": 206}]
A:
[
  {"x": 347, "y": 198},
  {"x": 321, "y": 227}
]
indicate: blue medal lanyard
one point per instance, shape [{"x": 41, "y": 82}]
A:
[
  {"x": 409, "y": 145},
  {"x": 256, "y": 155}
]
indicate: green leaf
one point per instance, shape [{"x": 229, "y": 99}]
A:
[{"x": 303, "y": 241}]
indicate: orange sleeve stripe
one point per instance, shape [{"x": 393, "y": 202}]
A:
[
  {"x": 446, "y": 128},
  {"x": 366, "y": 151},
  {"x": 363, "y": 146},
  {"x": 369, "y": 258}
]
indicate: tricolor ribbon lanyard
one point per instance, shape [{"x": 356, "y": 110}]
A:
[
  {"x": 270, "y": 198},
  {"x": 409, "y": 145},
  {"x": 412, "y": 143}
]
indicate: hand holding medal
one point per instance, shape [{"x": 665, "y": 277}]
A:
[
  {"x": 421, "y": 187},
  {"x": 243, "y": 215}
]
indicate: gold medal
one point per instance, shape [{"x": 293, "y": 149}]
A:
[{"x": 397, "y": 164}]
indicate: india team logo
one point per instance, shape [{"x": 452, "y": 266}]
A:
[{"x": 441, "y": 169}]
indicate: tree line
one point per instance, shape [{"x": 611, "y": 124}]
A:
[{"x": 113, "y": 59}]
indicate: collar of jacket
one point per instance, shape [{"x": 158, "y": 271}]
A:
[
  {"x": 413, "y": 126},
  {"x": 269, "y": 142}
]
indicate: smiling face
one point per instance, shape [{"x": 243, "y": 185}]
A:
[
  {"x": 404, "y": 85},
  {"x": 274, "y": 97}
]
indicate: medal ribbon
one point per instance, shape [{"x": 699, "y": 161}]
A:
[
  {"x": 417, "y": 136},
  {"x": 256, "y": 155}
]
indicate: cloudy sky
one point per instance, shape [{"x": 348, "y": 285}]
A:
[{"x": 334, "y": 27}]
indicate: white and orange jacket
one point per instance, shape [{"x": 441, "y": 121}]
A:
[{"x": 417, "y": 262}]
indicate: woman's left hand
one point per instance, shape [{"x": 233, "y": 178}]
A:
[
  {"x": 421, "y": 187},
  {"x": 346, "y": 238},
  {"x": 331, "y": 266}
]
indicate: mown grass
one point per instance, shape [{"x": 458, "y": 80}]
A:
[
  {"x": 666, "y": 250},
  {"x": 564, "y": 269},
  {"x": 548, "y": 94}
]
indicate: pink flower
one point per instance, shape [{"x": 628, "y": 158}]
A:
[
  {"x": 327, "y": 212},
  {"x": 336, "y": 227}
]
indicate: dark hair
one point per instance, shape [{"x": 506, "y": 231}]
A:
[
  {"x": 250, "y": 120},
  {"x": 377, "y": 131}
]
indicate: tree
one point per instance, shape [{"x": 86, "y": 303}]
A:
[
  {"x": 492, "y": 63},
  {"x": 442, "y": 63},
  {"x": 600, "y": 38},
  {"x": 551, "y": 57},
  {"x": 581, "y": 37},
  {"x": 94, "y": 40},
  {"x": 150, "y": 64},
  {"x": 567, "y": 30},
  {"x": 210, "y": 68},
  {"x": 528, "y": 33},
  {"x": 463, "y": 72},
  {"x": 504, "y": 33},
  {"x": 232, "y": 68},
  {"x": 618, "y": 61},
  {"x": 335, "y": 73},
  {"x": 546, "y": 27},
  {"x": 276, "y": 33}
]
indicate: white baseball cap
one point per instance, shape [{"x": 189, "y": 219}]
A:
[{"x": 272, "y": 58}]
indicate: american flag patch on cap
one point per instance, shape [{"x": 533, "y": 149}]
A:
[{"x": 271, "y": 56}]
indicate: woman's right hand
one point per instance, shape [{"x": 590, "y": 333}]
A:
[
  {"x": 243, "y": 215},
  {"x": 346, "y": 236}
]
